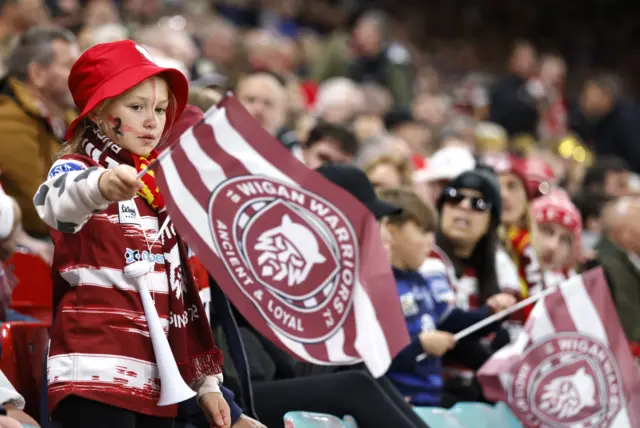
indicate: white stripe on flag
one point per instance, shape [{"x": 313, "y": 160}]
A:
[
  {"x": 232, "y": 142},
  {"x": 205, "y": 166},
  {"x": 583, "y": 312},
  {"x": 540, "y": 322},
  {"x": 622, "y": 419},
  {"x": 370, "y": 340},
  {"x": 189, "y": 206},
  {"x": 335, "y": 349}
]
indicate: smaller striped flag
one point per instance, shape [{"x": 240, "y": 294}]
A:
[{"x": 571, "y": 366}]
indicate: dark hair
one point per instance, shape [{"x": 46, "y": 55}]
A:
[
  {"x": 35, "y": 46},
  {"x": 482, "y": 260},
  {"x": 483, "y": 256},
  {"x": 597, "y": 173},
  {"x": 346, "y": 139},
  {"x": 608, "y": 82},
  {"x": 591, "y": 204}
]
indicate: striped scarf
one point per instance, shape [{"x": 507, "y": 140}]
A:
[
  {"x": 192, "y": 342},
  {"x": 105, "y": 152}
]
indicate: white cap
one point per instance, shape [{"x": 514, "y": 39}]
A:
[{"x": 447, "y": 164}]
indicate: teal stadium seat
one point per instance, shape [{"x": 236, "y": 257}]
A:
[
  {"x": 302, "y": 419},
  {"x": 436, "y": 417},
  {"x": 465, "y": 415},
  {"x": 476, "y": 415}
]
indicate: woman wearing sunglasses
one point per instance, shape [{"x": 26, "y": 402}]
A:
[
  {"x": 467, "y": 244},
  {"x": 470, "y": 208}
]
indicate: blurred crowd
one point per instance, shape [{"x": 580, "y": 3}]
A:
[{"x": 339, "y": 82}]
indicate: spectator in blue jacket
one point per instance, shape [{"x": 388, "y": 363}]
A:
[{"x": 426, "y": 302}]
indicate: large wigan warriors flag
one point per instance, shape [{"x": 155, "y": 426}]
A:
[
  {"x": 298, "y": 256},
  {"x": 572, "y": 366}
]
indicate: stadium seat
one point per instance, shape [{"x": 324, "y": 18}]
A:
[
  {"x": 33, "y": 295},
  {"x": 436, "y": 417},
  {"x": 24, "y": 350},
  {"x": 477, "y": 415},
  {"x": 505, "y": 417},
  {"x": 312, "y": 420},
  {"x": 349, "y": 422}
]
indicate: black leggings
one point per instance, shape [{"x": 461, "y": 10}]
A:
[
  {"x": 372, "y": 402},
  {"x": 78, "y": 412}
]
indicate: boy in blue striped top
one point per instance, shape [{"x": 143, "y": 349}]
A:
[{"x": 427, "y": 302}]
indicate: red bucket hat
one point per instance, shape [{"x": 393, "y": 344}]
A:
[{"x": 110, "y": 69}]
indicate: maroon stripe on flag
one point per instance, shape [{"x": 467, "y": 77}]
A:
[
  {"x": 350, "y": 334},
  {"x": 208, "y": 143},
  {"x": 318, "y": 351},
  {"x": 558, "y": 312},
  {"x": 190, "y": 176}
]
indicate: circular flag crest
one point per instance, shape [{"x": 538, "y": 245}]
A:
[
  {"x": 291, "y": 252},
  {"x": 569, "y": 379}
]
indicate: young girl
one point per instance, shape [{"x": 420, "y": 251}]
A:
[
  {"x": 556, "y": 237},
  {"x": 102, "y": 371}
]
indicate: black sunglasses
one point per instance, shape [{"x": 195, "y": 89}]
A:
[{"x": 455, "y": 197}]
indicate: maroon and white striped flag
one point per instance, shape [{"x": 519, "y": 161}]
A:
[
  {"x": 571, "y": 366},
  {"x": 298, "y": 256}
]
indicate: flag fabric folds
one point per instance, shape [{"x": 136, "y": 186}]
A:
[
  {"x": 298, "y": 256},
  {"x": 571, "y": 366}
]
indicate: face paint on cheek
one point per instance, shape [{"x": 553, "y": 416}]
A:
[{"x": 118, "y": 128}]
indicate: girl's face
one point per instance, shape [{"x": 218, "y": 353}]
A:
[
  {"x": 465, "y": 216},
  {"x": 514, "y": 199},
  {"x": 135, "y": 120},
  {"x": 554, "y": 246}
]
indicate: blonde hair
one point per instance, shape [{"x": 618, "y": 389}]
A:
[
  {"x": 74, "y": 144},
  {"x": 401, "y": 164}
]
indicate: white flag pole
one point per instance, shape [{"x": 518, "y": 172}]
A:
[{"x": 498, "y": 316}]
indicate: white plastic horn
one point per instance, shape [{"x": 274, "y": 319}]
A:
[{"x": 173, "y": 388}]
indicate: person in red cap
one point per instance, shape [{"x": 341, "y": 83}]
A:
[{"x": 112, "y": 236}]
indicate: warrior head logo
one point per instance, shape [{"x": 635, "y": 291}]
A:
[
  {"x": 291, "y": 252},
  {"x": 564, "y": 397},
  {"x": 567, "y": 379},
  {"x": 288, "y": 252}
]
